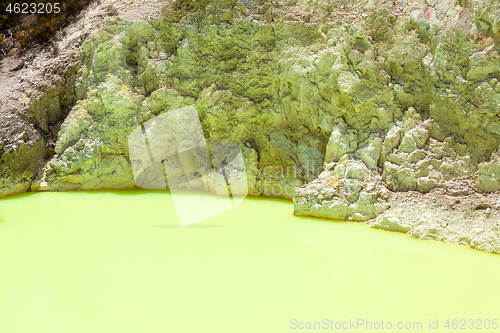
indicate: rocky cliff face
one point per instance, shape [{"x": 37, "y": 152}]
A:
[{"x": 349, "y": 101}]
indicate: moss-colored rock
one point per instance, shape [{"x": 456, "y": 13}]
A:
[
  {"x": 383, "y": 88},
  {"x": 489, "y": 174}
]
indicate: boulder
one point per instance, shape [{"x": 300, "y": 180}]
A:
[
  {"x": 355, "y": 170},
  {"x": 370, "y": 154},
  {"x": 393, "y": 223},
  {"x": 488, "y": 179},
  {"x": 339, "y": 144}
]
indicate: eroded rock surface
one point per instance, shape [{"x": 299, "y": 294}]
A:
[
  {"x": 344, "y": 105},
  {"x": 347, "y": 190}
]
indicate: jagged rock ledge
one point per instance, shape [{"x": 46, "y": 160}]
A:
[
  {"x": 376, "y": 107},
  {"x": 449, "y": 198}
]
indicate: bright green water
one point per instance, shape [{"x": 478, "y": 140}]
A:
[{"x": 119, "y": 262}]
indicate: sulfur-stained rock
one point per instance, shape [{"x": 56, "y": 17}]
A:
[
  {"x": 393, "y": 223},
  {"x": 415, "y": 138},
  {"x": 307, "y": 99},
  {"x": 398, "y": 158},
  {"x": 370, "y": 154},
  {"x": 250, "y": 158},
  {"x": 416, "y": 156},
  {"x": 421, "y": 136},
  {"x": 408, "y": 144},
  {"x": 347, "y": 191},
  {"x": 300, "y": 95},
  {"x": 392, "y": 139},
  {"x": 489, "y": 174},
  {"x": 352, "y": 188},
  {"x": 355, "y": 170},
  {"x": 339, "y": 144},
  {"x": 22, "y": 154},
  {"x": 425, "y": 184},
  {"x": 340, "y": 169},
  {"x": 399, "y": 179},
  {"x": 367, "y": 197},
  {"x": 451, "y": 168}
]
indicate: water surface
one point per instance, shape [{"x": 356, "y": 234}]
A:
[{"x": 119, "y": 262}]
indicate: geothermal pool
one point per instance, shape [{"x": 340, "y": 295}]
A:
[{"x": 119, "y": 262}]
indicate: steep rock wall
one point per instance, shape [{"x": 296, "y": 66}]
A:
[{"x": 281, "y": 79}]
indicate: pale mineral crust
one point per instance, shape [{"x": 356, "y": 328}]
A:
[{"x": 385, "y": 112}]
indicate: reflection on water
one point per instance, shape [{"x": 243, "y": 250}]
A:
[{"x": 101, "y": 262}]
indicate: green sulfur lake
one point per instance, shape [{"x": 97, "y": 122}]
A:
[{"x": 110, "y": 262}]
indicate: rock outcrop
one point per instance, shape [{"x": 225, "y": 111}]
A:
[
  {"x": 347, "y": 190},
  {"x": 340, "y": 105},
  {"x": 489, "y": 174}
]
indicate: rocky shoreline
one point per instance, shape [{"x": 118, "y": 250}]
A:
[
  {"x": 408, "y": 182},
  {"x": 386, "y": 112}
]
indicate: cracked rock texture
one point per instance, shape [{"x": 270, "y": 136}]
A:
[
  {"x": 345, "y": 191},
  {"x": 477, "y": 226},
  {"x": 345, "y": 106}
]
